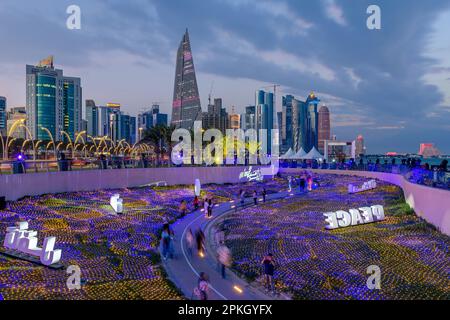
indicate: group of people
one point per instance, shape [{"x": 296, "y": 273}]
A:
[
  {"x": 208, "y": 207},
  {"x": 242, "y": 195},
  {"x": 305, "y": 182},
  {"x": 224, "y": 259}
]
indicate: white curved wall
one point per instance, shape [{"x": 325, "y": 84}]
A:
[
  {"x": 431, "y": 204},
  {"x": 20, "y": 185}
]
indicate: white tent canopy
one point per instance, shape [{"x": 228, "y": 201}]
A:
[
  {"x": 299, "y": 155},
  {"x": 288, "y": 155},
  {"x": 313, "y": 154}
]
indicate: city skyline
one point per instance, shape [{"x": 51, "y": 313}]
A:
[{"x": 239, "y": 61}]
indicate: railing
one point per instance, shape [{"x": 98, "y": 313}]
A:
[{"x": 436, "y": 178}]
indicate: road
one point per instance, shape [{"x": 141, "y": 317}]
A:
[{"x": 184, "y": 269}]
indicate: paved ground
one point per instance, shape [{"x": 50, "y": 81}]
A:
[{"x": 184, "y": 269}]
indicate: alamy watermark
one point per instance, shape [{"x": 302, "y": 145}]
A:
[
  {"x": 374, "y": 280},
  {"x": 73, "y": 22},
  {"x": 74, "y": 280},
  {"x": 374, "y": 20},
  {"x": 237, "y": 147}
]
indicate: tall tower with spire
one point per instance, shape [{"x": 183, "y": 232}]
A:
[{"x": 186, "y": 106}]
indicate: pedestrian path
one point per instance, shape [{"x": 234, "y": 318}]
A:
[{"x": 185, "y": 268}]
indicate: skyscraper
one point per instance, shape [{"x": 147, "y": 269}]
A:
[
  {"x": 299, "y": 125},
  {"x": 248, "y": 118},
  {"x": 234, "y": 120},
  {"x": 186, "y": 106},
  {"x": 312, "y": 138},
  {"x": 324, "y": 127},
  {"x": 265, "y": 115},
  {"x": 53, "y": 101},
  {"x": 216, "y": 117},
  {"x": 92, "y": 118},
  {"x": 152, "y": 118},
  {"x": 286, "y": 123},
  {"x": 3, "y": 124},
  {"x": 72, "y": 94}
]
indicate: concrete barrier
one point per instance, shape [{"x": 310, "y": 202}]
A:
[
  {"x": 431, "y": 204},
  {"x": 14, "y": 187}
]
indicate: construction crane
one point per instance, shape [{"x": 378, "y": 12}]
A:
[
  {"x": 274, "y": 87},
  {"x": 210, "y": 92}
]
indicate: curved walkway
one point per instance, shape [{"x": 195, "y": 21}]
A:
[{"x": 184, "y": 270}]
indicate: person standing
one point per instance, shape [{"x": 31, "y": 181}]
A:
[
  {"x": 196, "y": 203},
  {"x": 206, "y": 207},
  {"x": 183, "y": 208},
  {"x": 269, "y": 268},
  {"x": 210, "y": 208},
  {"x": 165, "y": 241},
  {"x": 264, "y": 194},
  {"x": 255, "y": 197},
  {"x": 224, "y": 258},
  {"x": 242, "y": 194}
]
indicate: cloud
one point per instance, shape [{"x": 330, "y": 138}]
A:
[
  {"x": 395, "y": 77},
  {"x": 278, "y": 57},
  {"x": 334, "y": 12}
]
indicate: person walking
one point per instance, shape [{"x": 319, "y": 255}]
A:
[
  {"x": 264, "y": 194},
  {"x": 255, "y": 197},
  {"x": 200, "y": 239},
  {"x": 224, "y": 259},
  {"x": 201, "y": 291},
  {"x": 183, "y": 208},
  {"x": 220, "y": 236},
  {"x": 269, "y": 268},
  {"x": 190, "y": 241}
]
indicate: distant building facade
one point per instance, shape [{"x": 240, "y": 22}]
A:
[
  {"x": 324, "y": 127},
  {"x": 264, "y": 117},
  {"x": 248, "y": 119},
  {"x": 186, "y": 107},
  {"x": 360, "y": 149},
  {"x": 428, "y": 150},
  {"x": 14, "y": 115},
  {"x": 216, "y": 117},
  {"x": 53, "y": 101},
  {"x": 3, "y": 124},
  {"x": 152, "y": 118}
]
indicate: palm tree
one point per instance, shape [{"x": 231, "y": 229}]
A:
[
  {"x": 167, "y": 133},
  {"x": 155, "y": 136}
]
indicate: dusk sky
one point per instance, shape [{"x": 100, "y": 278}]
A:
[{"x": 391, "y": 85}]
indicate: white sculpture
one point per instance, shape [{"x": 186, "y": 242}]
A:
[
  {"x": 19, "y": 238},
  {"x": 117, "y": 203},
  {"x": 342, "y": 219},
  {"x": 251, "y": 175},
  {"x": 198, "y": 187},
  {"x": 368, "y": 185}
]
